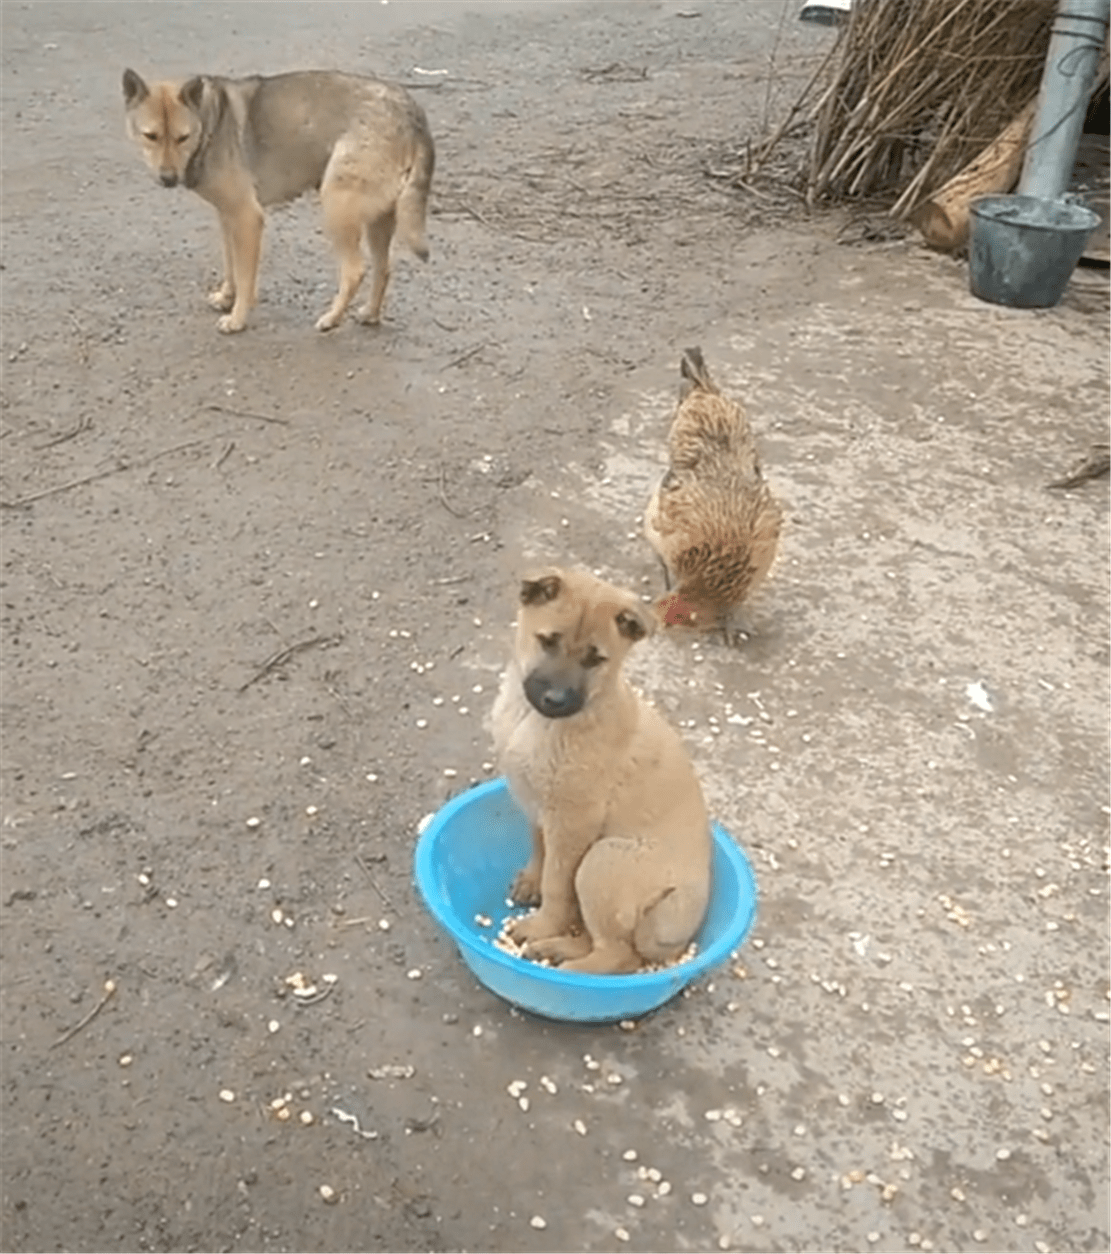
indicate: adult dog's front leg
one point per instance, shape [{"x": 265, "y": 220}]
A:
[
  {"x": 244, "y": 226},
  {"x": 224, "y": 296}
]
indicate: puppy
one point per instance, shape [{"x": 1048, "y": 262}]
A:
[{"x": 620, "y": 864}]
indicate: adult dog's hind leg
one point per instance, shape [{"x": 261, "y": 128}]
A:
[
  {"x": 379, "y": 234},
  {"x": 343, "y": 223}
]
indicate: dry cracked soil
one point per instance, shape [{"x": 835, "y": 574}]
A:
[{"x": 256, "y": 601}]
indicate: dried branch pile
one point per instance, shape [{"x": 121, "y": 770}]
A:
[{"x": 918, "y": 88}]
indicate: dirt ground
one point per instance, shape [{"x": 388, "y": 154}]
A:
[{"x": 912, "y": 1049}]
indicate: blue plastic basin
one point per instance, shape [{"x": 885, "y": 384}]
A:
[{"x": 466, "y": 859}]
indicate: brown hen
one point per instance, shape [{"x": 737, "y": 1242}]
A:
[{"x": 712, "y": 519}]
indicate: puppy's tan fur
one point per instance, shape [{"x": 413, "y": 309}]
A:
[
  {"x": 621, "y": 837},
  {"x": 246, "y": 144}
]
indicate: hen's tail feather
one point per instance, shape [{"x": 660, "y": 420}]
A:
[{"x": 694, "y": 372}]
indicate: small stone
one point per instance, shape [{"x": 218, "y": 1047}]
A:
[
  {"x": 328, "y": 1194},
  {"x": 383, "y": 925},
  {"x": 699, "y": 1199},
  {"x": 579, "y": 1127},
  {"x": 306, "y": 1117},
  {"x": 253, "y": 821},
  {"x": 957, "y": 1194},
  {"x": 630, "y": 1156},
  {"x": 273, "y": 1026},
  {"x": 126, "y": 1060},
  {"x": 538, "y": 1221},
  {"x": 1002, "y": 1154},
  {"x": 873, "y": 1237},
  {"x": 227, "y": 1095},
  {"x": 663, "y": 1188},
  {"x": 635, "y": 1199},
  {"x": 621, "y": 1234},
  {"x": 414, "y": 974}
]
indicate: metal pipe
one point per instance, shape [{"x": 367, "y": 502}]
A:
[{"x": 1075, "y": 44}]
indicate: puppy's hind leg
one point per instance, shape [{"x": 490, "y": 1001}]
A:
[
  {"x": 343, "y": 224},
  {"x": 379, "y": 234}
]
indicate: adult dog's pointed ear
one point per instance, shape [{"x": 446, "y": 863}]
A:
[
  {"x": 541, "y": 590},
  {"x": 192, "y": 93},
  {"x": 634, "y": 625},
  {"x": 135, "y": 91}
]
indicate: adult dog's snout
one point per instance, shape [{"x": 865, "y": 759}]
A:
[
  {"x": 552, "y": 698},
  {"x": 168, "y": 178}
]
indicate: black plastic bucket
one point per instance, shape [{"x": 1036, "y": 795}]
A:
[{"x": 1023, "y": 249}]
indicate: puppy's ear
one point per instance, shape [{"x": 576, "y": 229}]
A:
[
  {"x": 134, "y": 89},
  {"x": 540, "y": 591},
  {"x": 633, "y": 626},
  {"x": 192, "y": 93}
]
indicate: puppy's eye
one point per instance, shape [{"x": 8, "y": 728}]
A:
[
  {"x": 593, "y": 658},
  {"x": 180, "y": 139},
  {"x": 548, "y": 640},
  {"x": 151, "y": 135}
]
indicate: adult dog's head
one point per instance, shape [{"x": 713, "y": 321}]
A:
[
  {"x": 573, "y": 632},
  {"x": 166, "y": 121}
]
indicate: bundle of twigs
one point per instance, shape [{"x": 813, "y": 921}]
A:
[{"x": 918, "y": 88}]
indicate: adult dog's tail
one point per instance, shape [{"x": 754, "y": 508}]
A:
[{"x": 412, "y": 204}]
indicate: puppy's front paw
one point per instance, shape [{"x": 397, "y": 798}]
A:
[
  {"x": 535, "y": 927},
  {"x": 231, "y": 324},
  {"x": 526, "y": 887},
  {"x": 560, "y": 949}
]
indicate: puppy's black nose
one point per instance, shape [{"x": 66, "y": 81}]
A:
[
  {"x": 169, "y": 178},
  {"x": 558, "y": 700},
  {"x": 553, "y": 700}
]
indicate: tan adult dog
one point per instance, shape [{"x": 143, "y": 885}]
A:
[
  {"x": 621, "y": 838},
  {"x": 245, "y": 144}
]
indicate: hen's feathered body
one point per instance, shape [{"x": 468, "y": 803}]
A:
[{"x": 712, "y": 519}]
